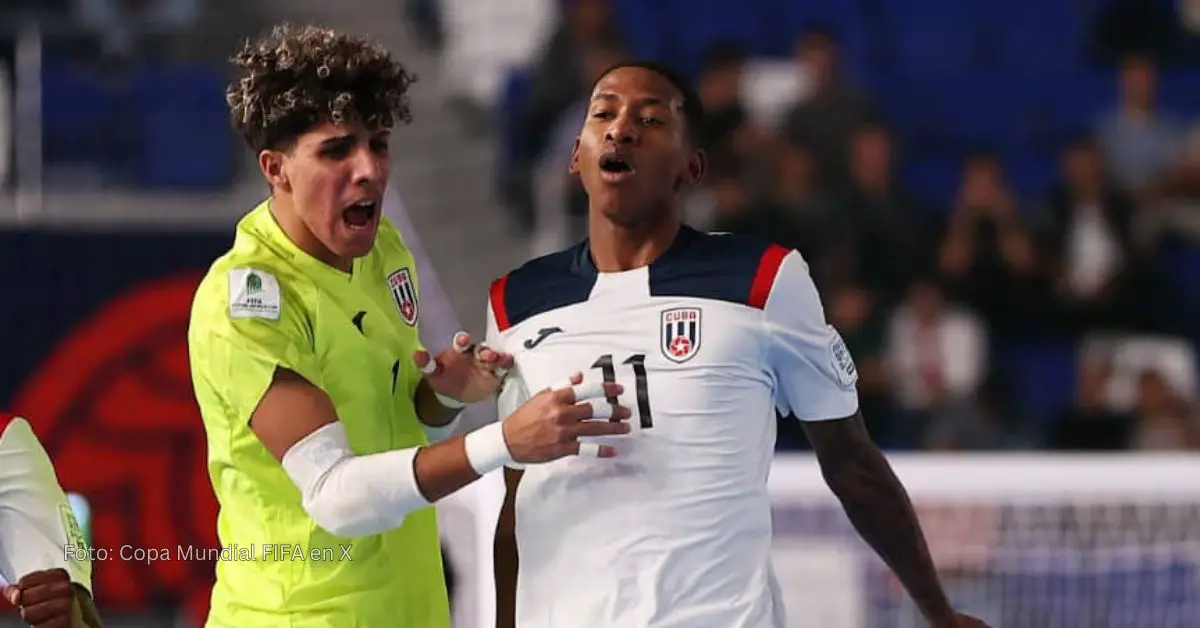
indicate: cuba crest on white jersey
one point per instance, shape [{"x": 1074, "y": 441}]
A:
[
  {"x": 708, "y": 342},
  {"x": 38, "y": 530}
]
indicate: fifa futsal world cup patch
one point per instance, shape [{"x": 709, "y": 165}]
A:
[
  {"x": 253, "y": 294},
  {"x": 841, "y": 360},
  {"x": 680, "y": 333},
  {"x": 404, "y": 293}
]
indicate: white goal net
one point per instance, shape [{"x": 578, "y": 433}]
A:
[{"x": 1022, "y": 541}]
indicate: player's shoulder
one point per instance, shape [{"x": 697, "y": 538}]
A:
[
  {"x": 545, "y": 283},
  {"x": 251, "y": 280},
  {"x": 735, "y": 268}
]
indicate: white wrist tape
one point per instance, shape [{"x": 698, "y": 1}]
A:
[
  {"x": 486, "y": 449},
  {"x": 351, "y": 495}
]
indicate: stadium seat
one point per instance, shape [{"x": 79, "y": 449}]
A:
[
  {"x": 1031, "y": 177},
  {"x": 185, "y": 141},
  {"x": 644, "y": 25},
  {"x": 1044, "y": 376},
  {"x": 932, "y": 38},
  {"x": 77, "y": 112},
  {"x": 1181, "y": 265},
  {"x": 975, "y": 112},
  {"x": 1179, "y": 91},
  {"x": 699, "y": 24},
  {"x": 1036, "y": 38},
  {"x": 933, "y": 180},
  {"x": 849, "y": 24},
  {"x": 1067, "y": 105}
]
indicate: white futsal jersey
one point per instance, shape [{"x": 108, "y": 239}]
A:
[
  {"x": 38, "y": 529},
  {"x": 708, "y": 341}
]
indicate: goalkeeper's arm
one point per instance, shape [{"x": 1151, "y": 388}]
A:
[
  {"x": 352, "y": 495},
  {"x": 355, "y": 495}
]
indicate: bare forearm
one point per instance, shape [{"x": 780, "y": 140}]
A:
[
  {"x": 879, "y": 508},
  {"x": 443, "y": 468},
  {"x": 430, "y": 411}
]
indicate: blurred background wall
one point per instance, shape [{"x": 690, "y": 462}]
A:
[{"x": 1000, "y": 200}]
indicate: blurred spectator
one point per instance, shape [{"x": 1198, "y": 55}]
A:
[
  {"x": 801, "y": 214},
  {"x": 1165, "y": 420},
  {"x": 1178, "y": 209},
  {"x": 558, "y": 82},
  {"x": 987, "y": 256},
  {"x": 728, "y": 133},
  {"x": 1091, "y": 425},
  {"x": 937, "y": 355},
  {"x": 825, "y": 120},
  {"x": 1182, "y": 183},
  {"x": 136, "y": 28},
  {"x": 1087, "y": 244},
  {"x": 1127, "y": 27},
  {"x": 1129, "y": 356},
  {"x": 559, "y": 77},
  {"x": 1140, "y": 141},
  {"x": 731, "y": 206},
  {"x": 989, "y": 422},
  {"x": 884, "y": 237},
  {"x": 560, "y": 206},
  {"x": 857, "y": 317},
  {"x": 719, "y": 89},
  {"x": 426, "y": 19},
  {"x": 728, "y": 203}
]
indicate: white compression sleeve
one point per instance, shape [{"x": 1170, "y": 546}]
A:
[{"x": 351, "y": 495}]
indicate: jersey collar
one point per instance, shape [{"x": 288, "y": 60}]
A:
[
  {"x": 585, "y": 265},
  {"x": 261, "y": 225}
]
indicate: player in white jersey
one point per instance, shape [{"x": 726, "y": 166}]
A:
[
  {"x": 708, "y": 334},
  {"x": 45, "y": 565}
]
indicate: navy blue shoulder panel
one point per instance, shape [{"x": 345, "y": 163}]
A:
[
  {"x": 722, "y": 267},
  {"x": 541, "y": 285}
]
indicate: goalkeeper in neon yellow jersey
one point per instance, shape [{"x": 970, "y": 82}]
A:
[{"x": 319, "y": 403}]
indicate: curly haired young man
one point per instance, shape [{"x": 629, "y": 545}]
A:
[{"x": 329, "y": 426}]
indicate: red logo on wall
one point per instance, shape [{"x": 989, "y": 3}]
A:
[{"x": 113, "y": 405}]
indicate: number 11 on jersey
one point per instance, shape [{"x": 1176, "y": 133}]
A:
[{"x": 638, "y": 361}]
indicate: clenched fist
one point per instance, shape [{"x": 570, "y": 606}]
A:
[{"x": 46, "y": 599}]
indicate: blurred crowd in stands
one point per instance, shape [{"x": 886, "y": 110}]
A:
[
  {"x": 1001, "y": 288},
  {"x": 989, "y": 320}
]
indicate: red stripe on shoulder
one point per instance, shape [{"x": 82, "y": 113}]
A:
[
  {"x": 497, "y": 298},
  {"x": 764, "y": 278}
]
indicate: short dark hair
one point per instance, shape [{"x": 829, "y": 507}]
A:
[
  {"x": 693, "y": 109},
  {"x": 296, "y": 78}
]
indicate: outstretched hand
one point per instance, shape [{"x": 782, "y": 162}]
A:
[{"x": 464, "y": 372}]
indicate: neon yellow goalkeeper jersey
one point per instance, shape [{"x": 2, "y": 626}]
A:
[{"x": 267, "y": 304}]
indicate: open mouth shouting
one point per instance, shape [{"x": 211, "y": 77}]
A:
[
  {"x": 616, "y": 167},
  {"x": 361, "y": 215}
]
